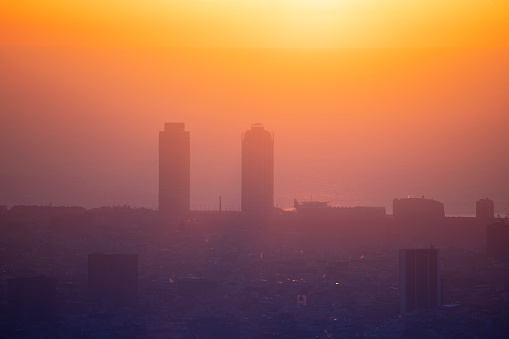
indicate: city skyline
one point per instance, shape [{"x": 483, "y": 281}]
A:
[
  {"x": 364, "y": 110},
  {"x": 214, "y": 205},
  {"x": 254, "y": 169}
]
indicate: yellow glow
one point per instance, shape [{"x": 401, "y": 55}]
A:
[{"x": 260, "y": 23}]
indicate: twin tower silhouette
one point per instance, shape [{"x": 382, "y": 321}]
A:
[{"x": 257, "y": 171}]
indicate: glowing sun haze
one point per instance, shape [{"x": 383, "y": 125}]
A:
[
  {"x": 256, "y": 23},
  {"x": 368, "y": 100}
]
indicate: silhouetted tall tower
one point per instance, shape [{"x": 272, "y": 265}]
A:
[
  {"x": 419, "y": 279},
  {"x": 485, "y": 209},
  {"x": 257, "y": 182},
  {"x": 174, "y": 170}
]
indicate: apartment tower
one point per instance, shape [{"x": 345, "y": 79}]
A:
[
  {"x": 257, "y": 177},
  {"x": 419, "y": 279},
  {"x": 174, "y": 171}
]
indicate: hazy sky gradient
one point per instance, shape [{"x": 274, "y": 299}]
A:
[
  {"x": 85, "y": 88},
  {"x": 256, "y": 23}
]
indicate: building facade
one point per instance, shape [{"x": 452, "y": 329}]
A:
[
  {"x": 257, "y": 177},
  {"x": 174, "y": 170},
  {"x": 497, "y": 241},
  {"x": 417, "y": 208},
  {"x": 485, "y": 209},
  {"x": 419, "y": 279}
]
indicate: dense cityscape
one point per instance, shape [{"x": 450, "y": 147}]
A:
[{"x": 316, "y": 271}]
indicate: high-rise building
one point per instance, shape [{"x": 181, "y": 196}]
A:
[
  {"x": 174, "y": 170},
  {"x": 485, "y": 209},
  {"x": 419, "y": 279},
  {"x": 497, "y": 241},
  {"x": 257, "y": 182},
  {"x": 113, "y": 278}
]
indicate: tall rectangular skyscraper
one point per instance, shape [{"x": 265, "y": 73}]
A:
[
  {"x": 257, "y": 177},
  {"x": 174, "y": 170},
  {"x": 419, "y": 279}
]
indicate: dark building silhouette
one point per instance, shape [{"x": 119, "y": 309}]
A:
[
  {"x": 257, "y": 178},
  {"x": 174, "y": 171},
  {"x": 485, "y": 209},
  {"x": 497, "y": 241},
  {"x": 321, "y": 209},
  {"x": 31, "y": 300},
  {"x": 417, "y": 208},
  {"x": 113, "y": 278},
  {"x": 419, "y": 279}
]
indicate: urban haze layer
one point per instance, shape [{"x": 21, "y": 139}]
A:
[{"x": 316, "y": 271}]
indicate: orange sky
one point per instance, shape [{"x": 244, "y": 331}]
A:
[
  {"x": 256, "y": 23},
  {"x": 401, "y": 98}
]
